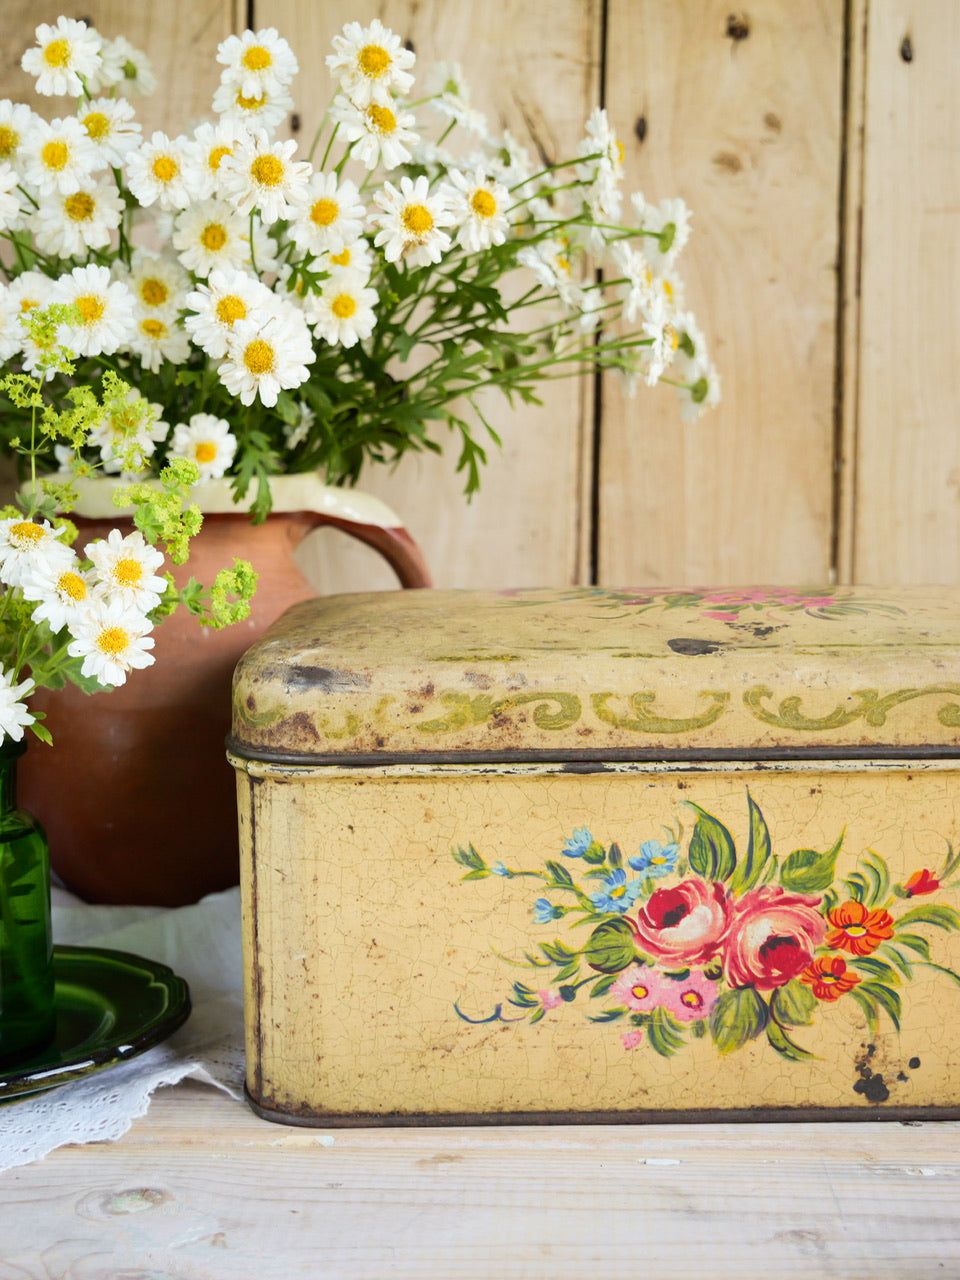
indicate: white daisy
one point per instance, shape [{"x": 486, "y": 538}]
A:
[
  {"x": 263, "y": 110},
  {"x": 379, "y": 134},
  {"x": 479, "y": 207},
  {"x": 371, "y": 63},
  {"x": 211, "y": 143},
  {"x": 11, "y": 331},
  {"x": 28, "y": 290},
  {"x": 16, "y": 124},
  {"x": 158, "y": 338},
  {"x": 411, "y": 222},
  {"x": 58, "y": 156},
  {"x": 207, "y": 441},
  {"x": 110, "y": 126},
  {"x": 450, "y": 95},
  {"x": 129, "y": 433},
  {"x": 227, "y": 298},
  {"x": 105, "y": 307},
  {"x": 14, "y": 715},
  {"x": 211, "y": 234},
  {"x": 9, "y": 200},
  {"x": 601, "y": 141},
  {"x": 265, "y": 359},
  {"x": 155, "y": 172},
  {"x": 636, "y": 284},
  {"x": 67, "y": 226},
  {"x": 25, "y": 544},
  {"x": 125, "y": 569},
  {"x": 509, "y": 160},
  {"x": 357, "y": 256},
  {"x": 157, "y": 281},
  {"x": 63, "y": 590},
  {"x": 112, "y": 640},
  {"x": 331, "y": 216},
  {"x": 295, "y": 433},
  {"x": 658, "y": 326},
  {"x": 124, "y": 68},
  {"x": 65, "y": 55},
  {"x": 670, "y": 220},
  {"x": 550, "y": 263},
  {"x": 257, "y": 60},
  {"x": 265, "y": 177},
  {"x": 343, "y": 314}
]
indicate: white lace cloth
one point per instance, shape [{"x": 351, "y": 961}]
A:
[{"x": 201, "y": 943}]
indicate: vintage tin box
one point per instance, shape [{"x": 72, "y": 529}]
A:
[{"x": 602, "y": 855}]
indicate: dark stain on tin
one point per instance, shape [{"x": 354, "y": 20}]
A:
[
  {"x": 299, "y": 727},
  {"x": 691, "y": 647},
  {"x": 738, "y": 26},
  {"x": 327, "y": 679},
  {"x": 913, "y": 1064},
  {"x": 871, "y": 1084}
]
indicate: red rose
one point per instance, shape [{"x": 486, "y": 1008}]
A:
[
  {"x": 685, "y": 924},
  {"x": 772, "y": 937}
]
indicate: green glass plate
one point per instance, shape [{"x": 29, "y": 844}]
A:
[{"x": 110, "y": 1006}]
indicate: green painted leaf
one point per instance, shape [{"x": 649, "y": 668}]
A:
[
  {"x": 738, "y": 1016},
  {"x": 698, "y": 1028},
  {"x": 897, "y": 958},
  {"x": 712, "y": 853},
  {"x": 915, "y": 941},
  {"x": 602, "y": 985},
  {"x": 793, "y": 1004},
  {"x": 608, "y": 1015},
  {"x": 751, "y": 870},
  {"x": 950, "y": 973},
  {"x": 878, "y": 877},
  {"x": 595, "y": 853},
  {"x": 469, "y": 858},
  {"x": 887, "y": 999},
  {"x": 807, "y": 871},
  {"x": 558, "y": 951},
  {"x": 935, "y": 913},
  {"x": 786, "y": 1047},
  {"x": 876, "y": 968},
  {"x": 568, "y": 971},
  {"x": 615, "y": 857},
  {"x": 559, "y": 873},
  {"x": 610, "y": 947},
  {"x": 665, "y": 1032},
  {"x": 869, "y": 1007}
]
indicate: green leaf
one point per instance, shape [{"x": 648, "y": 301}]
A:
[
  {"x": 807, "y": 871},
  {"x": 897, "y": 958},
  {"x": 665, "y": 1032},
  {"x": 712, "y": 854},
  {"x": 786, "y": 1047},
  {"x": 610, "y": 947},
  {"x": 608, "y": 1015},
  {"x": 558, "y": 951},
  {"x": 878, "y": 877},
  {"x": 935, "y": 913},
  {"x": 927, "y": 964},
  {"x": 595, "y": 853},
  {"x": 887, "y": 999},
  {"x": 738, "y": 1016},
  {"x": 793, "y": 1004},
  {"x": 615, "y": 856},
  {"x": 568, "y": 971},
  {"x": 915, "y": 941},
  {"x": 750, "y": 871},
  {"x": 869, "y": 1007},
  {"x": 602, "y": 985},
  {"x": 874, "y": 967},
  {"x": 560, "y": 874}
]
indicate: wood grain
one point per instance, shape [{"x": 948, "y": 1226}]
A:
[
  {"x": 202, "y": 1190},
  {"x": 529, "y": 523},
  {"x": 743, "y": 121},
  {"x": 906, "y": 486}
]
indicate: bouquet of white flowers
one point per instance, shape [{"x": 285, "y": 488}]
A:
[{"x": 277, "y": 314}]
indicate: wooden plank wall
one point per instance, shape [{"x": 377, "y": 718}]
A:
[{"x": 818, "y": 146}]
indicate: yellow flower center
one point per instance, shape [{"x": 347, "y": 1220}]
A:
[
  {"x": 251, "y": 104},
  {"x": 668, "y": 290},
  {"x": 256, "y": 58},
  {"x": 113, "y": 640},
  {"x": 324, "y": 211},
  {"x": 128, "y": 571},
  {"x": 79, "y": 206},
  {"x": 26, "y": 531},
  {"x": 692, "y": 999},
  {"x": 563, "y": 264},
  {"x": 27, "y": 304},
  {"x": 268, "y": 170},
  {"x": 381, "y": 119},
  {"x": 483, "y": 204},
  {"x": 855, "y": 930},
  {"x": 619, "y": 146},
  {"x": 72, "y": 585},
  {"x": 231, "y": 308},
  {"x": 205, "y": 451},
  {"x": 55, "y": 154},
  {"x": 213, "y": 236},
  {"x": 258, "y": 356},
  {"x": 154, "y": 291},
  {"x": 373, "y": 60},
  {"x": 341, "y": 259},
  {"x": 619, "y": 891},
  {"x": 417, "y": 219},
  {"x": 343, "y": 305},
  {"x": 91, "y": 307},
  {"x": 165, "y": 168},
  {"x": 153, "y": 328},
  {"x": 9, "y": 141},
  {"x": 97, "y": 124},
  {"x": 216, "y": 155},
  {"x": 57, "y": 53},
  {"x": 640, "y": 991},
  {"x": 828, "y": 977}
]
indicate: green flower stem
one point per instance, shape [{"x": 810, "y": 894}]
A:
[
  {"x": 326, "y": 154},
  {"x": 553, "y": 168}
]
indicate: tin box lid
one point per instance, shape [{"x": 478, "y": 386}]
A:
[{"x": 591, "y": 673}]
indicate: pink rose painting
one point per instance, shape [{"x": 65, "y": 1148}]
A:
[
  {"x": 772, "y": 937},
  {"x": 685, "y": 924}
]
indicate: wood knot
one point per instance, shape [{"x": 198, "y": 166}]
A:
[
  {"x": 738, "y": 26},
  {"x": 640, "y": 128},
  {"x": 906, "y": 49},
  {"x": 728, "y": 161}
]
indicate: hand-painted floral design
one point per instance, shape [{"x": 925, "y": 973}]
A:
[
  {"x": 709, "y": 941},
  {"x": 741, "y": 605}
]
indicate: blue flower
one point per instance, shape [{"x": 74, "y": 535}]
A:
[
  {"x": 544, "y": 911},
  {"x": 576, "y": 846},
  {"x": 498, "y": 869},
  {"x": 619, "y": 893},
  {"x": 655, "y": 858}
]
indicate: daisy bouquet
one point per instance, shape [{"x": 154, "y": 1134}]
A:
[
  {"x": 86, "y": 614},
  {"x": 279, "y": 314}
]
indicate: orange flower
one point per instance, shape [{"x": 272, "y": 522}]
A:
[
  {"x": 921, "y": 882},
  {"x": 858, "y": 930},
  {"x": 829, "y": 977}
]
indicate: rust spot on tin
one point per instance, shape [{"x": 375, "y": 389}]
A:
[{"x": 299, "y": 728}]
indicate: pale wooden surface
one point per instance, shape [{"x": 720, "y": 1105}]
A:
[{"x": 203, "y": 1190}]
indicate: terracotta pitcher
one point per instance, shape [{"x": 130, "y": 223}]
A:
[{"x": 136, "y": 795}]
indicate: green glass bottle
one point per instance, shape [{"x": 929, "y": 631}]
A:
[{"x": 26, "y": 945}]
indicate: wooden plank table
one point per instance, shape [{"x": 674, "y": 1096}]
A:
[{"x": 202, "y": 1189}]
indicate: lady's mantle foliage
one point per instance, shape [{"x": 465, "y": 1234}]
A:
[{"x": 719, "y": 942}]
